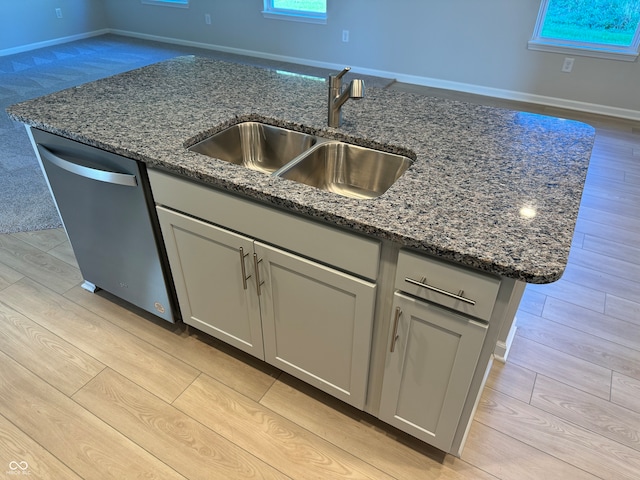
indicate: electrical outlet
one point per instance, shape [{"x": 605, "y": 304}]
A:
[
  {"x": 345, "y": 36},
  {"x": 207, "y": 19},
  {"x": 567, "y": 65},
  {"x": 59, "y": 12}
]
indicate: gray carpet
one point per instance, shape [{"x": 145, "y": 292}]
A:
[{"x": 25, "y": 202}]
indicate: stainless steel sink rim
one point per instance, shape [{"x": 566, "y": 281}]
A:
[
  {"x": 251, "y": 156},
  {"x": 363, "y": 187},
  {"x": 255, "y": 145}
]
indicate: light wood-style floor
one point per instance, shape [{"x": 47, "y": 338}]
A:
[{"x": 92, "y": 390}]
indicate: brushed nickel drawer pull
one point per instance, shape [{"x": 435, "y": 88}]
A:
[
  {"x": 256, "y": 262},
  {"x": 423, "y": 283},
  {"x": 243, "y": 269},
  {"x": 395, "y": 336}
]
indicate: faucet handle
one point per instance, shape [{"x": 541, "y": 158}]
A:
[{"x": 341, "y": 74}]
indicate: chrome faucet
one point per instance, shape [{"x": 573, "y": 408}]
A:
[{"x": 338, "y": 97}]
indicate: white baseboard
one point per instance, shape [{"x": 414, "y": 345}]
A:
[
  {"x": 522, "y": 97},
  {"x": 413, "y": 79},
  {"x": 501, "y": 351},
  {"x": 50, "y": 43},
  {"x": 248, "y": 53}
]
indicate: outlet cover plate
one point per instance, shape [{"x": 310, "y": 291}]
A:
[{"x": 567, "y": 65}]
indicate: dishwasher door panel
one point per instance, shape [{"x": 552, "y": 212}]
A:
[{"x": 108, "y": 224}]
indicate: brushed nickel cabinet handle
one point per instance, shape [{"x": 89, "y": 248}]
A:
[
  {"x": 394, "y": 337},
  {"x": 256, "y": 262},
  {"x": 243, "y": 269},
  {"x": 423, "y": 283}
]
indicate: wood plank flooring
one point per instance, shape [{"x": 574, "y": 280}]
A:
[{"x": 92, "y": 389}]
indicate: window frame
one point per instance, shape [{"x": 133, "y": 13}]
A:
[
  {"x": 576, "y": 47},
  {"x": 306, "y": 16},
  {"x": 168, "y": 3}
]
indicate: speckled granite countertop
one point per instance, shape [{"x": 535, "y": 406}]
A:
[{"x": 476, "y": 167}]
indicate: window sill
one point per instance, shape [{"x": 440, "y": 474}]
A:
[
  {"x": 596, "y": 51},
  {"x": 168, "y": 3},
  {"x": 292, "y": 17}
]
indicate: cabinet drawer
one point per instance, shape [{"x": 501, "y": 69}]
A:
[{"x": 462, "y": 289}]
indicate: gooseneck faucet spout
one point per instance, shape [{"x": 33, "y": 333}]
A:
[{"x": 337, "y": 97}]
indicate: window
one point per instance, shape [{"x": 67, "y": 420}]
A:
[
  {"x": 312, "y": 11},
  {"x": 168, "y": 3},
  {"x": 598, "y": 28}
]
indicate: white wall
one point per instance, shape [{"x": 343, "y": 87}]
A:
[
  {"x": 471, "y": 45},
  {"x": 28, "y": 24}
]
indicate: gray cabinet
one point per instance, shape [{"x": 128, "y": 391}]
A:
[
  {"x": 306, "y": 318},
  {"x": 436, "y": 336},
  {"x": 214, "y": 294},
  {"x": 314, "y": 301},
  {"x": 317, "y": 323},
  {"x": 430, "y": 363}
]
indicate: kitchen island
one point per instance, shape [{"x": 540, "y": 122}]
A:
[
  {"x": 476, "y": 167},
  {"x": 492, "y": 193}
]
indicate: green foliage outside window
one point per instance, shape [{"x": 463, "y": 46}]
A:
[
  {"x": 612, "y": 22},
  {"x": 316, "y": 6}
]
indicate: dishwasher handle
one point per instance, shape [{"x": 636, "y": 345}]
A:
[{"x": 87, "y": 172}]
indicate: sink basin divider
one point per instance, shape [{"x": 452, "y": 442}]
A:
[
  {"x": 296, "y": 160},
  {"x": 328, "y": 164}
]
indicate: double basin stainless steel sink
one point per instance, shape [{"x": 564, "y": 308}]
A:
[{"x": 338, "y": 167}]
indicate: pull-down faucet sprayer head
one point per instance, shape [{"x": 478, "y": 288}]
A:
[{"x": 356, "y": 89}]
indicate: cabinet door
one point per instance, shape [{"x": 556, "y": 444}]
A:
[
  {"x": 317, "y": 323},
  {"x": 427, "y": 376},
  {"x": 207, "y": 270}
]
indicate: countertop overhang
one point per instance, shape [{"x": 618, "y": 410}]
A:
[{"x": 493, "y": 189}]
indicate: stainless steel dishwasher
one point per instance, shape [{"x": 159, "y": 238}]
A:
[{"x": 105, "y": 203}]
